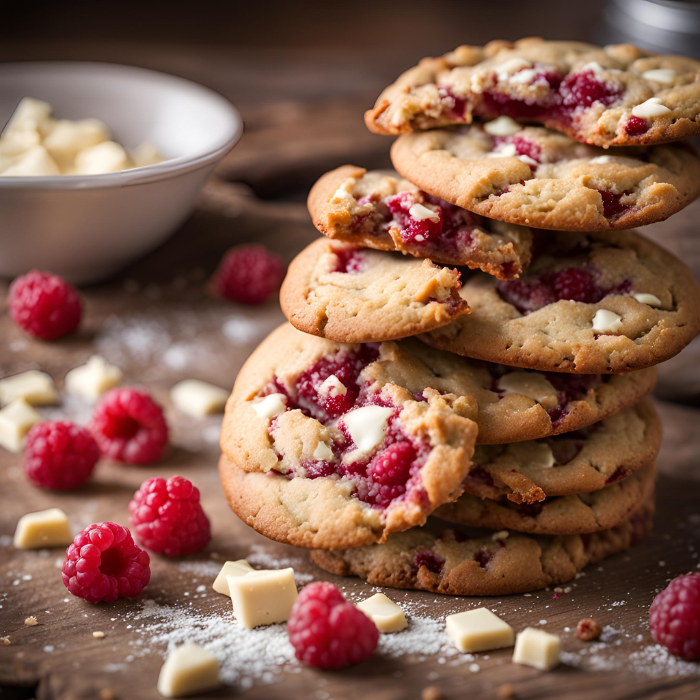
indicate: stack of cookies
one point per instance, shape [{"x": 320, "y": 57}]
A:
[{"x": 474, "y": 337}]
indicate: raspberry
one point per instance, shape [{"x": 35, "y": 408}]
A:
[
  {"x": 248, "y": 274},
  {"x": 60, "y": 455},
  {"x": 167, "y": 517},
  {"x": 583, "y": 89},
  {"x": 575, "y": 284},
  {"x": 328, "y": 632},
  {"x": 129, "y": 426},
  {"x": 674, "y": 617},
  {"x": 43, "y": 305},
  {"x": 104, "y": 564},
  {"x": 389, "y": 473},
  {"x": 636, "y": 126},
  {"x": 612, "y": 206},
  {"x": 430, "y": 560}
]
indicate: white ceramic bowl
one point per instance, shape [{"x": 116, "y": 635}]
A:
[{"x": 87, "y": 227}]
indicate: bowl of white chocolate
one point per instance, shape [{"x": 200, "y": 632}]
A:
[{"x": 100, "y": 163}]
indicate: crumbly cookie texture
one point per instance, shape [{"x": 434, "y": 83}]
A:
[
  {"x": 302, "y": 408},
  {"x": 380, "y": 210},
  {"x": 464, "y": 562},
  {"x": 589, "y": 303},
  {"x": 338, "y": 291},
  {"x": 560, "y": 515},
  {"x": 538, "y": 177},
  {"x": 581, "y": 462},
  {"x": 617, "y": 95}
]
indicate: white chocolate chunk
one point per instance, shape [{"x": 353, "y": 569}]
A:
[
  {"x": 506, "y": 69},
  {"x": 478, "y": 630},
  {"x": 606, "y": 321},
  {"x": 15, "y": 143},
  {"x": 197, "y": 398},
  {"x": 536, "y": 454},
  {"x": 537, "y": 648},
  {"x": 262, "y": 597},
  {"x": 649, "y": 299},
  {"x": 528, "y": 160},
  {"x": 507, "y": 151},
  {"x": 29, "y": 114},
  {"x": 665, "y": 76},
  {"x": 105, "y": 157},
  {"x": 93, "y": 379},
  {"x": 530, "y": 384},
  {"x": 332, "y": 386},
  {"x": 344, "y": 190},
  {"x": 16, "y": 420},
  {"x": 617, "y": 160},
  {"x": 500, "y": 536},
  {"x": 46, "y": 528},
  {"x": 323, "y": 452},
  {"x": 231, "y": 568},
  {"x": 525, "y": 76},
  {"x": 502, "y": 126},
  {"x": 651, "y": 108},
  {"x": 420, "y": 212},
  {"x": 270, "y": 406},
  {"x": 146, "y": 154},
  {"x": 189, "y": 669},
  {"x": 367, "y": 426},
  {"x": 35, "y": 387},
  {"x": 67, "y": 138},
  {"x": 36, "y": 162},
  {"x": 384, "y": 612}
]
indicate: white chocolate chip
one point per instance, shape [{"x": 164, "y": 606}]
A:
[
  {"x": 332, "y": 386},
  {"x": 478, "y": 630},
  {"x": 46, "y": 528},
  {"x": 649, "y": 299},
  {"x": 525, "y": 76},
  {"x": 500, "y": 536},
  {"x": 270, "y": 406},
  {"x": 651, "y": 108},
  {"x": 530, "y": 384},
  {"x": 16, "y": 420},
  {"x": 537, "y": 648},
  {"x": 529, "y": 161},
  {"x": 592, "y": 66},
  {"x": 197, "y": 398},
  {"x": 105, "y": 157},
  {"x": 189, "y": 669},
  {"x": 323, "y": 452},
  {"x": 35, "y": 387},
  {"x": 540, "y": 455},
  {"x": 606, "y": 321},
  {"x": 384, "y": 612},
  {"x": 93, "y": 379},
  {"x": 505, "y": 70},
  {"x": 344, "y": 190},
  {"x": 420, "y": 212},
  {"x": 507, "y": 151},
  {"x": 231, "y": 568},
  {"x": 502, "y": 126},
  {"x": 665, "y": 76},
  {"x": 262, "y": 597},
  {"x": 367, "y": 426}
]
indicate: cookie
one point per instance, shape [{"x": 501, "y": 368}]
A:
[
  {"x": 379, "y": 210},
  {"x": 338, "y": 291},
  {"x": 321, "y": 381},
  {"x": 616, "y": 95},
  {"x": 584, "y": 461},
  {"x": 544, "y": 179},
  {"x": 463, "y": 562},
  {"x": 558, "y": 515},
  {"x": 590, "y": 303}
]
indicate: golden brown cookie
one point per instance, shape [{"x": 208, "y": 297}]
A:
[
  {"x": 380, "y": 210},
  {"x": 589, "y": 303},
  {"x": 353, "y": 295},
  {"x": 544, "y": 179},
  {"x": 616, "y": 95}
]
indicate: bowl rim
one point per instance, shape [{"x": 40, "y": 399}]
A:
[{"x": 159, "y": 171}]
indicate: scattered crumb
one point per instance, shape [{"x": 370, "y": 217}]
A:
[
  {"x": 432, "y": 692},
  {"x": 5, "y": 641},
  {"x": 31, "y": 621},
  {"x": 588, "y": 629},
  {"x": 506, "y": 691},
  {"x": 98, "y": 635}
]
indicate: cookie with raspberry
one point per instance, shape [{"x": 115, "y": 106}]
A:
[
  {"x": 541, "y": 178},
  {"x": 581, "y": 462},
  {"x": 338, "y": 291},
  {"x": 380, "y": 210},
  {"x": 557, "y": 515},
  {"x": 467, "y": 562},
  {"x": 588, "y": 303},
  {"x": 616, "y": 95}
]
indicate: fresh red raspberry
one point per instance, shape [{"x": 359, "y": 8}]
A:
[
  {"x": 248, "y": 274},
  {"x": 389, "y": 473},
  {"x": 636, "y": 126},
  {"x": 328, "y": 632},
  {"x": 43, "y": 305},
  {"x": 575, "y": 284},
  {"x": 129, "y": 426},
  {"x": 674, "y": 617},
  {"x": 104, "y": 564},
  {"x": 167, "y": 517},
  {"x": 60, "y": 455}
]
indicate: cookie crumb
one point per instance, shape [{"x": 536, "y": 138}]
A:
[
  {"x": 432, "y": 692},
  {"x": 98, "y": 635},
  {"x": 588, "y": 629},
  {"x": 506, "y": 691},
  {"x": 5, "y": 641},
  {"x": 31, "y": 621}
]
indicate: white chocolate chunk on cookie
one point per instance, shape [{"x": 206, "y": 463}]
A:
[
  {"x": 367, "y": 426},
  {"x": 332, "y": 386},
  {"x": 478, "y": 630},
  {"x": 231, "y": 568},
  {"x": 384, "y": 612},
  {"x": 189, "y": 669},
  {"x": 606, "y": 321},
  {"x": 537, "y": 648},
  {"x": 270, "y": 406},
  {"x": 16, "y": 420},
  {"x": 651, "y": 108},
  {"x": 36, "y": 388},
  {"x": 649, "y": 299},
  {"x": 262, "y": 597},
  {"x": 502, "y": 126},
  {"x": 420, "y": 213},
  {"x": 45, "y": 528},
  {"x": 197, "y": 398},
  {"x": 323, "y": 452},
  {"x": 93, "y": 379},
  {"x": 665, "y": 76}
]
